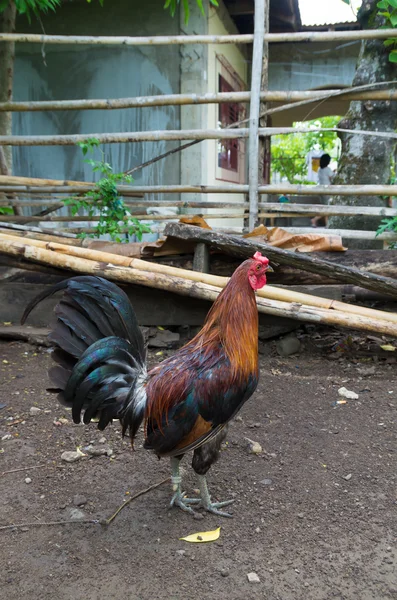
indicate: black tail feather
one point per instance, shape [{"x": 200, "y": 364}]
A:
[{"x": 99, "y": 352}]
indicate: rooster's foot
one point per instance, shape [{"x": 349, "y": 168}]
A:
[
  {"x": 178, "y": 499},
  {"x": 205, "y": 501}
]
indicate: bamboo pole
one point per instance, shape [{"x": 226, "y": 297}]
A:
[
  {"x": 44, "y": 237},
  {"x": 196, "y": 289},
  {"x": 269, "y": 292},
  {"x": 141, "y": 217},
  {"x": 33, "y": 185},
  {"x": 253, "y": 140},
  {"x": 160, "y": 40},
  {"x": 272, "y": 208},
  {"x": 171, "y": 135},
  {"x": 189, "y": 99}
]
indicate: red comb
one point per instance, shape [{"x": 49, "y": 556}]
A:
[{"x": 258, "y": 256}]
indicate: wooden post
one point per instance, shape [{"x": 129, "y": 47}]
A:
[
  {"x": 201, "y": 259},
  {"x": 253, "y": 141},
  {"x": 263, "y": 120}
]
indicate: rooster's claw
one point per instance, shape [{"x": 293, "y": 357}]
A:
[{"x": 179, "y": 500}]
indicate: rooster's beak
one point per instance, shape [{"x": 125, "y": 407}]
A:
[{"x": 270, "y": 269}]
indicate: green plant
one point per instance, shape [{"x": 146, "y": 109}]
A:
[
  {"x": 5, "y": 210},
  {"x": 389, "y": 224},
  {"x": 172, "y": 5},
  {"x": 289, "y": 152},
  {"x": 105, "y": 199},
  {"x": 34, "y": 7},
  {"x": 388, "y": 9}
]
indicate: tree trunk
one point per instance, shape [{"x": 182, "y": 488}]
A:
[
  {"x": 366, "y": 159},
  {"x": 7, "y": 56}
]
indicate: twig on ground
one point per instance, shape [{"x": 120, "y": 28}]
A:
[
  {"x": 84, "y": 521},
  {"x": 21, "y": 469},
  {"x": 152, "y": 487}
]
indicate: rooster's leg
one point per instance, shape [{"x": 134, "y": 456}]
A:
[
  {"x": 178, "y": 498},
  {"x": 203, "y": 458}
]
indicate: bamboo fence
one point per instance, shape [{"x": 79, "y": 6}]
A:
[
  {"x": 11, "y": 186},
  {"x": 270, "y": 300}
]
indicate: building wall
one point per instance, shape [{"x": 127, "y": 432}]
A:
[
  {"x": 219, "y": 23},
  {"x": 329, "y": 65},
  {"x": 99, "y": 72}
]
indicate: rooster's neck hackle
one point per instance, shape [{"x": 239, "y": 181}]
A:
[{"x": 233, "y": 320}]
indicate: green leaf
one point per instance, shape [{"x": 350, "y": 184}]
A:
[
  {"x": 214, "y": 3},
  {"x": 187, "y": 10},
  {"x": 346, "y": 1},
  {"x": 393, "y": 56},
  {"x": 201, "y": 7},
  {"x": 393, "y": 3},
  {"x": 383, "y": 4},
  {"x": 393, "y": 18}
]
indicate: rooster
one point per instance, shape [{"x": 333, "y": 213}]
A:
[{"x": 187, "y": 400}]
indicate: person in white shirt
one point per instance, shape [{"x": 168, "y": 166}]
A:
[{"x": 325, "y": 177}]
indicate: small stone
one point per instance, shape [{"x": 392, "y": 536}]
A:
[
  {"x": 5, "y": 437},
  {"x": 306, "y": 584},
  {"x": 28, "y": 480},
  {"x": 254, "y": 447},
  {"x": 266, "y": 482},
  {"x": 76, "y": 514},
  {"x": 288, "y": 345},
  {"x": 257, "y": 530},
  {"x": 225, "y": 572},
  {"x": 63, "y": 421},
  {"x": 348, "y": 477},
  {"x": 253, "y": 578},
  {"x": 70, "y": 456},
  {"x": 79, "y": 500},
  {"x": 348, "y": 394},
  {"x": 238, "y": 419},
  {"x": 274, "y": 512},
  {"x": 34, "y": 410},
  {"x": 98, "y": 450},
  {"x": 180, "y": 552},
  {"x": 300, "y": 516},
  {"x": 102, "y": 440},
  {"x": 198, "y": 516}
]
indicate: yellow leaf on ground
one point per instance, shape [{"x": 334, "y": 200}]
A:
[
  {"x": 388, "y": 348},
  {"x": 203, "y": 536}
]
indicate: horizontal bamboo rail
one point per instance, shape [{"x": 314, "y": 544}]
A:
[
  {"x": 172, "y": 135},
  {"x": 88, "y": 219},
  {"x": 189, "y": 99},
  {"x": 270, "y": 292},
  {"x": 161, "y": 40},
  {"x": 273, "y": 209},
  {"x": 188, "y": 287},
  {"x": 14, "y": 184}
]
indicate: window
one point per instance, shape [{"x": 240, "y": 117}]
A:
[{"x": 231, "y": 152}]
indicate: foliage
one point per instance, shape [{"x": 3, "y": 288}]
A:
[
  {"x": 289, "y": 151},
  {"x": 389, "y": 224},
  {"x": 5, "y": 210},
  {"x": 114, "y": 218},
  {"x": 172, "y": 5},
  {"x": 29, "y": 7},
  {"x": 388, "y": 9}
]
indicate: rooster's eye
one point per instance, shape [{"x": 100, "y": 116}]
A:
[{"x": 258, "y": 267}]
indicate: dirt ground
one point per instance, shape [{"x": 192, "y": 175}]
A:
[{"x": 314, "y": 513}]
